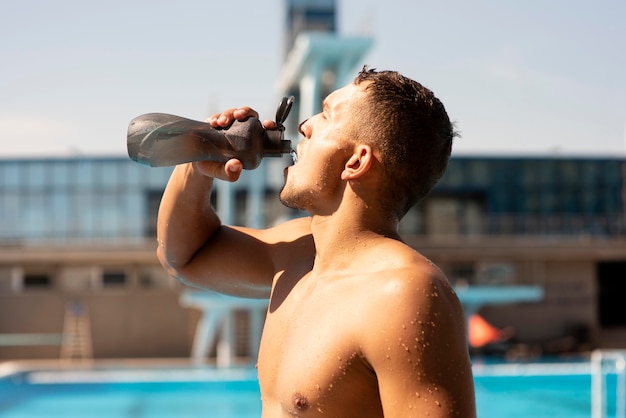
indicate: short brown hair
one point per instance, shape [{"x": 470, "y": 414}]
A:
[{"x": 412, "y": 131}]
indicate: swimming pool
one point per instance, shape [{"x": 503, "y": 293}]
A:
[
  {"x": 506, "y": 390},
  {"x": 539, "y": 390},
  {"x": 131, "y": 393}
]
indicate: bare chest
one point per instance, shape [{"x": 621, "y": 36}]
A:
[{"x": 310, "y": 361}]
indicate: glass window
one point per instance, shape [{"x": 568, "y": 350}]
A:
[
  {"x": 532, "y": 200},
  {"x": 497, "y": 201},
  {"x": 153, "y": 200},
  {"x": 9, "y": 215},
  {"x": 109, "y": 174},
  {"x": 11, "y": 175},
  {"x": 83, "y": 215},
  {"x": 132, "y": 215},
  {"x": 60, "y": 213},
  {"x": 412, "y": 221},
  {"x": 570, "y": 201},
  {"x": 134, "y": 174},
  {"x": 479, "y": 173},
  {"x": 84, "y": 174},
  {"x": 589, "y": 200},
  {"x": 441, "y": 216},
  {"x": 454, "y": 174},
  {"x": 500, "y": 173},
  {"x": 547, "y": 174},
  {"x": 113, "y": 278},
  {"x": 613, "y": 171},
  {"x": 568, "y": 173},
  {"x": 157, "y": 177},
  {"x": 461, "y": 273},
  {"x": 36, "y": 281},
  {"x": 33, "y": 213},
  {"x": 548, "y": 199},
  {"x": 472, "y": 215},
  {"x": 37, "y": 175},
  {"x": 612, "y": 198},
  {"x": 240, "y": 207},
  {"x": 59, "y": 173},
  {"x": 530, "y": 173},
  {"x": 106, "y": 214},
  {"x": 496, "y": 273},
  {"x": 589, "y": 173}
]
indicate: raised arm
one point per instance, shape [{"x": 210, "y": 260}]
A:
[{"x": 197, "y": 249}]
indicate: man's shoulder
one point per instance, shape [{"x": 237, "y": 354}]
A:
[
  {"x": 409, "y": 302},
  {"x": 404, "y": 268},
  {"x": 412, "y": 284}
]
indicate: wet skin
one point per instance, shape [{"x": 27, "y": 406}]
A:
[
  {"x": 359, "y": 324},
  {"x": 329, "y": 340}
]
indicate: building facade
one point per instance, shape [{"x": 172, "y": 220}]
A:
[{"x": 82, "y": 230}]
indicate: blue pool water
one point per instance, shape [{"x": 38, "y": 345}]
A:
[
  {"x": 534, "y": 396},
  {"x": 541, "y": 392},
  {"x": 130, "y": 394},
  {"x": 154, "y": 400}
]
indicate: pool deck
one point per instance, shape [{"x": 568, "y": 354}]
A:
[
  {"x": 150, "y": 369},
  {"x": 185, "y": 369}
]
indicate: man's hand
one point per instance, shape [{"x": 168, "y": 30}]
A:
[{"x": 231, "y": 169}]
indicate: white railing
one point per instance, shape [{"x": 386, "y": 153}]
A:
[{"x": 603, "y": 363}]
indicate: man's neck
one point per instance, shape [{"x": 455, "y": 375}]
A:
[{"x": 342, "y": 236}]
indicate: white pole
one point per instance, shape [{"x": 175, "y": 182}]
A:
[
  {"x": 620, "y": 407},
  {"x": 598, "y": 405}
]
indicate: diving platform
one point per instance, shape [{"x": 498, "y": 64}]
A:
[
  {"x": 474, "y": 297},
  {"x": 216, "y": 326}
]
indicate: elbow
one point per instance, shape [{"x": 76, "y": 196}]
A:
[
  {"x": 170, "y": 265},
  {"x": 175, "y": 269}
]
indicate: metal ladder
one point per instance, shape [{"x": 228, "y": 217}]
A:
[{"x": 77, "y": 343}]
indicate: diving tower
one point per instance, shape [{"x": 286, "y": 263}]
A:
[{"x": 319, "y": 63}]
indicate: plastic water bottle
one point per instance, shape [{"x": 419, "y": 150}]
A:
[{"x": 159, "y": 140}]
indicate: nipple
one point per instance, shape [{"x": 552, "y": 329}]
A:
[{"x": 300, "y": 402}]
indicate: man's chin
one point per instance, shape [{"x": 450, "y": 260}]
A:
[{"x": 290, "y": 203}]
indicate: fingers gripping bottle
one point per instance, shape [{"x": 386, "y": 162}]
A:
[{"x": 159, "y": 140}]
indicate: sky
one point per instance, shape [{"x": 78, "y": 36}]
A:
[{"x": 532, "y": 77}]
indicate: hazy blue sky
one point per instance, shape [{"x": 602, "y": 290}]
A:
[{"x": 530, "y": 77}]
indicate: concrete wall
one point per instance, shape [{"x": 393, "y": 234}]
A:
[
  {"x": 124, "y": 323},
  {"x": 146, "y": 319}
]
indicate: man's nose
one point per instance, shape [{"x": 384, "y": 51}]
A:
[{"x": 303, "y": 128}]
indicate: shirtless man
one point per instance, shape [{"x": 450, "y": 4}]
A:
[{"x": 359, "y": 324}]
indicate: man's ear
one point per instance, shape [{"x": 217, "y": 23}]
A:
[{"x": 359, "y": 163}]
